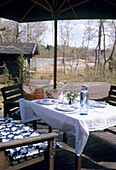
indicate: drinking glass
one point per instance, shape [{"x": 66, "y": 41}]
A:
[
  {"x": 75, "y": 103},
  {"x": 60, "y": 98}
]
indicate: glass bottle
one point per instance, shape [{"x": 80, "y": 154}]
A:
[{"x": 84, "y": 101}]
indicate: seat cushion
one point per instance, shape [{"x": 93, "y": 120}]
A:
[{"x": 11, "y": 129}]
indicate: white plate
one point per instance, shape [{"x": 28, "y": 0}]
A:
[
  {"x": 100, "y": 104},
  {"x": 65, "y": 108},
  {"x": 46, "y": 101}
]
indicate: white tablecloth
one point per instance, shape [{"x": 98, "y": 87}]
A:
[{"x": 73, "y": 123}]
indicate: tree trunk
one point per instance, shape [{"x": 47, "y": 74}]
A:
[
  {"x": 95, "y": 66},
  {"x": 99, "y": 47},
  {"x": 17, "y": 32},
  {"x": 104, "y": 45}
]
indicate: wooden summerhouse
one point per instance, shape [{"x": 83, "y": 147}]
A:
[{"x": 10, "y": 51}]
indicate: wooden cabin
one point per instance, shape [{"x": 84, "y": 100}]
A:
[{"x": 10, "y": 51}]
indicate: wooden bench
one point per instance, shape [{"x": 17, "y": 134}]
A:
[{"x": 5, "y": 163}]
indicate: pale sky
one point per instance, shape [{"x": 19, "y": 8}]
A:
[{"x": 77, "y": 30}]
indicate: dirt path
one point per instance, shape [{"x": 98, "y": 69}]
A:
[{"x": 95, "y": 89}]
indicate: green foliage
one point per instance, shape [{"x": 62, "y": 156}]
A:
[
  {"x": 8, "y": 77},
  {"x": 6, "y": 74},
  {"x": 72, "y": 95},
  {"x": 33, "y": 68},
  {"x": 20, "y": 62},
  {"x": 48, "y": 47},
  {"x": 24, "y": 75}
]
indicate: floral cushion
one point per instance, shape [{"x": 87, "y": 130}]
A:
[{"x": 11, "y": 129}]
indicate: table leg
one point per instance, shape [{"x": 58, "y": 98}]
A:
[
  {"x": 50, "y": 129},
  {"x": 77, "y": 162},
  {"x": 64, "y": 137}
]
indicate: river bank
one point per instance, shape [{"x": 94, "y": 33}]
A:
[{"x": 46, "y": 61}]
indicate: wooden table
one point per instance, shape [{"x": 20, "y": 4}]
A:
[{"x": 70, "y": 122}]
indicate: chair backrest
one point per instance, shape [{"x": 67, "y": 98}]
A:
[
  {"x": 11, "y": 95},
  {"x": 111, "y": 99}
]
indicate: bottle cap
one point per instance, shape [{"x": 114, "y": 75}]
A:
[{"x": 84, "y": 87}]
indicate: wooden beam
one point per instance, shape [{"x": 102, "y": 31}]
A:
[
  {"x": 72, "y": 9},
  {"x": 5, "y": 3},
  {"x": 73, "y": 6},
  {"x": 27, "y": 12},
  {"x": 110, "y": 3},
  {"x": 43, "y": 6},
  {"x": 61, "y": 6},
  {"x": 55, "y": 53}
]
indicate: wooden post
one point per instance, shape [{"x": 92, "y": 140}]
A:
[
  {"x": 55, "y": 52},
  {"x": 77, "y": 162},
  {"x": 2, "y": 159},
  {"x": 5, "y": 110},
  {"x": 51, "y": 155}
]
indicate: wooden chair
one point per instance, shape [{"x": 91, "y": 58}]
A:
[
  {"x": 111, "y": 98},
  {"x": 11, "y": 95},
  {"x": 5, "y": 163}
]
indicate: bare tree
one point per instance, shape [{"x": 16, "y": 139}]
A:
[
  {"x": 104, "y": 36},
  {"x": 32, "y": 32},
  {"x": 63, "y": 39},
  {"x": 110, "y": 57},
  {"x": 98, "y": 49}
]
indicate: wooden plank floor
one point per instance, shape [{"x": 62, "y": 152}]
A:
[{"x": 99, "y": 153}]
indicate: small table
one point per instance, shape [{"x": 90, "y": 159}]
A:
[{"x": 70, "y": 122}]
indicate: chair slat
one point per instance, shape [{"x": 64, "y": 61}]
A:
[
  {"x": 13, "y": 93},
  {"x": 112, "y": 93},
  {"x": 110, "y": 98},
  {"x": 12, "y": 87},
  {"x": 113, "y": 87},
  {"x": 16, "y": 98}
]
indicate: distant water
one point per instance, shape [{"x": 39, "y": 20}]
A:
[{"x": 45, "y": 62}]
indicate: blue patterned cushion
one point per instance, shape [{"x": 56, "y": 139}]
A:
[{"x": 11, "y": 129}]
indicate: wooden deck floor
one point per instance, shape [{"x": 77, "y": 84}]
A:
[{"x": 99, "y": 152}]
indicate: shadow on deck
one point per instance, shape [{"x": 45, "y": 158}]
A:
[{"x": 99, "y": 153}]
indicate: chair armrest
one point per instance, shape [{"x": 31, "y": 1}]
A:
[{"x": 27, "y": 141}]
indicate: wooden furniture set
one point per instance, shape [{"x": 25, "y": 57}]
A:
[
  {"x": 12, "y": 102},
  {"x": 11, "y": 96}
]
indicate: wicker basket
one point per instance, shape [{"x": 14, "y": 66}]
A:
[{"x": 37, "y": 94}]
